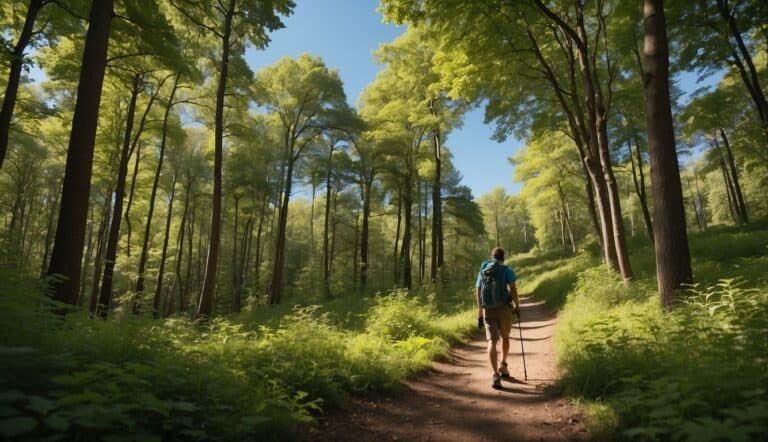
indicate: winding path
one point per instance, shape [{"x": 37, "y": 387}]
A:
[{"x": 454, "y": 401}]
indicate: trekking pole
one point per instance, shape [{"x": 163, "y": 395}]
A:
[{"x": 522, "y": 350}]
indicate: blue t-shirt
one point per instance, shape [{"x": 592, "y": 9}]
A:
[{"x": 509, "y": 276}]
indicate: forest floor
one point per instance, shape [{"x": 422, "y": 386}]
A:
[{"x": 454, "y": 401}]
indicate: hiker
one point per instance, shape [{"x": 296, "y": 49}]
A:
[{"x": 495, "y": 293}]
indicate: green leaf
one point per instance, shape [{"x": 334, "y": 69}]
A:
[
  {"x": 12, "y": 396},
  {"x": 40, "y": 405},
  {"x": 56, "y": 423},
  {"x": 17, "y": 426}
]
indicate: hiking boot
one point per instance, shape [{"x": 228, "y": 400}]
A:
[
  {"x": 496, "y": 381},
  {"x": 504, "y": 370}
]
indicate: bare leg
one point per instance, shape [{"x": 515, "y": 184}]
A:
[
  {"x": 492, "y": 355},
  {"x": 504, "y": 348}
]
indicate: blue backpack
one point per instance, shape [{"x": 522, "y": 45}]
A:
[{"x": 493, "y": 291}]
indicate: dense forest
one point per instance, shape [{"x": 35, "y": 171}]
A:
[{"x": 194, "y": 249}]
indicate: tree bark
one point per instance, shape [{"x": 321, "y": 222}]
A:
[
  {"x": 155, "y": 183},
  {"x": 54, "y": 202},
  {"x": 14, "y": 76},
  {"x": 276, "y": 285},
  {"x": 367, "y": 184},
  {"x": 326, "y": 252},
  {"x": 205, "y": 306},
  {"x": 437, "y": 259},
  {"x": 87, "y": 257},
  {"x": 405, "y": 251},
  {"x": 105, "y": 294},
  {"x": 129, "y": 204},
  {"x": 640, "y": 187},
  {"x": 70, "y": 229},
  {"x": 99, "y": 262},
  {"x": 700, "y": 200},
  {"x": 136, "y": 147},
  {"x": 180, "y": 257},
  {"x": 259, "y": 246},
  {"x": 673, "y": 259},
  {"x": 742, "y": 207},
  {"x": 236, "y": 301},
  {"x": 164, "y": 253},
  {"x": 397, "y": 234},
  {"x": 732, "y": 210}
]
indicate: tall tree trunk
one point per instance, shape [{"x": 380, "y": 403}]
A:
[
  {"x": 356, "y": 248},
  {"x": 729, "y": 192},
  {"x": 695, "y": 208},
  {"x": 735, "y": 178},
  {"x": 245, "y": 246},
  {"x": 136, "y": 147},
  {"x": 184, "y": 295},
  {"x": 437, "y": 259},
  {"x": 733, "y": 205},
  {"x": 155, "y": 183},
  {"x": 673, "y": 259},
  {"x": 259, "y": 246},
  {"x": 423, "y": 248},
  {"x": 603, "y": 211},
  {"x": 276, "y": 285},
  {"x": 566, "y": 217},
  {"x": 164, "y": 252},
  {"x": 419, "y": 223},
  {"x": 70, "y": 229},
  {"x": 700, "y": 199},
  {"x": 312, "y": 227},
  {"x": 335, "y": 223},
  {"x": 87, "y": 257},
  {"x": 99, "y": 262},
  {"x": 326, "y": 252},
  {"x": 397, "y": 235},
  {"x": 205, "y": 307},
  {"x": 405, "y": 251},
  {"x": 236, "y": 301},
  {"x": 179, "y": 257},
  {"x": 105, "y": 294},
  {"x": 129, "y": 204},
  {"x": 54, "y": 203},
  {"x": 640, "y": 187},
  {"x": 367, "y": 184},
  {"x": 617, "y": 221},
  {"x": 14, "y": 76}
]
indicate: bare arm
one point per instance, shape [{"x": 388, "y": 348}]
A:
[
  {"x": 477, "y": 299},
  {"x": 513, "y": 292}
]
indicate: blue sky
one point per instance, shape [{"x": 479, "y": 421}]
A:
[{"x": 345, "y": 33}]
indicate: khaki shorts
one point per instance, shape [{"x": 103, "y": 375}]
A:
[{"x": 498, "y": 322}]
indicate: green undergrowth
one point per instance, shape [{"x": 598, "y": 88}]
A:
[
  {"x": 698, "y": 373},
  {"x": 234, "y": 378}
]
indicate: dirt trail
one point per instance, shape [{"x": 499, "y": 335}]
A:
[{"x": 454, "y": 400}]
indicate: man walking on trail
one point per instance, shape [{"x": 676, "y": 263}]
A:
[{"x": 495, "y": 292}]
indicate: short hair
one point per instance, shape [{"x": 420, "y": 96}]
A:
[{"x": 498, "y": 254}]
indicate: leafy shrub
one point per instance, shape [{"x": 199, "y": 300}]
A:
[
  {"x": 398, "y": 316},
  {"x": 77, "y": 378},
  {"x": 698, "y": 373}
]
